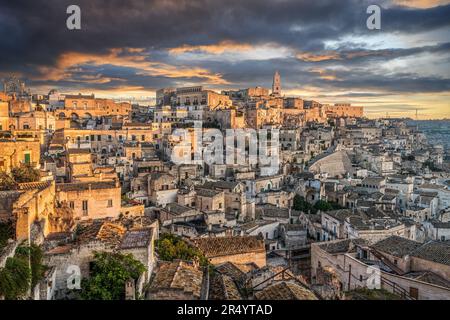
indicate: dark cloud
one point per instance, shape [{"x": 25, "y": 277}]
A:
[{"x": 33, "y": 35}]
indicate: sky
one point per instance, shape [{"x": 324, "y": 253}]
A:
[{"x": 322, "y": 49}]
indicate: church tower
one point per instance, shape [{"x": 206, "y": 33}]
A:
[{"x": 276, "y": 85}]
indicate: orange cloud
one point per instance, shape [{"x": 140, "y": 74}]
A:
[
  {"x": 218, "y": 48},
  {"x": 421, "y": 3},
  {"x": 334, "y": 55},
  {"x": 311, "y": 57},
  {"x": 63, "y": 68},
  {"x": 324, "y": 74}
]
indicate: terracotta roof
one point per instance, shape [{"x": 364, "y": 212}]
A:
[
  {"x": 430, "y": 277},
  {"x": 34, "y": 185},
  {"x": 223, "y": 246},
  {"x": 223, "y": 287},
  {"x": 285, "y": 291},
  {"x": 341, "y": 246},
  {"x": 207, "y": 192},
  {"x": 396, "y": 246},
  {"x": 108, "y": 232},
  {"x": 221, "y": 185},
  {"x": 79, "y": 186},
  {"x": 178, "y": 275},
  {"x": 176, "y": 209},
  {"x": 111, "y": 233},
  {"x": 78, "y": 151},
  {"x": 136, "y": 239},
  {"x": 340, "y": 214},
  {"x": 59, "y": 250},
  {"x": 232, "y": 270},
  {"x": 435, "y": 251}
]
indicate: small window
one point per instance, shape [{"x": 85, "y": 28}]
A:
[
  {"x": 27, "y": 159},
  {"x": 110, "y": 203},
  {"x": 71, "y": 205},
  {"x": 85, "y": 207}
]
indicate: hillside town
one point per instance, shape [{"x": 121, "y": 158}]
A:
[{"x": 342, "y": 207}]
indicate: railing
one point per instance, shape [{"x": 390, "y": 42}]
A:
[{"x": 396, "y": 289}]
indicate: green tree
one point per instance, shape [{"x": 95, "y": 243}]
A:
[
  {"x": 171, "y": 247},
  {"x": 6, "y": 232},
  {"x": 7, "y": 182},
  {"x": 323, "y": 206},
  {"x": 14, "y": 278},
  {"x": 110, "y": 272},
  {"x": 25, "y": 173},
  {"x": 35, "y": 254},
  {"x": 300, "y": 204}
]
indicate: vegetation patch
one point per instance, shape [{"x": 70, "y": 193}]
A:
[
  {"x": 371, "y": 294},
  {"x": 24, "y": 173},
  {"x": 21, "y": 272},
  {"x": 170, "y": 247},
  {"x": 109, "y": 273},
  {"x": 300, "y": 204}
]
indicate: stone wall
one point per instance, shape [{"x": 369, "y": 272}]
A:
[
  {"x": 257, "y": 257},
  {"x": 13, "y": 153},
  {"x": 340, "y": 263},
  {"x": 335, "y": 164}
]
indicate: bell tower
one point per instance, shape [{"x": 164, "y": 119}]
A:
[{"x": 276, "y": 85}]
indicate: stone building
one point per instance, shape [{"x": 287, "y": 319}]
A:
[
  {"x": 100, "y": 236},
  {"x": 17, "y": 152},
  {"x": 406, "y": 268},
  {"x": 209, "y": 200},
  {"x": 333, "y": 164},
  {"x": 91, "y": 200},
  {"x": 174, "y": 212},
  {"x": 276, "y": 85},
  {"x": 31, "y": 209},
  {"x": 235, "y": 199},
  {"x": 162, "y": 188},
  {"x": 239, "y": 250},
  {"x": 178, "y": 280},
  {"x": 344, "y": 110},
  {"x": 87, "y": 106},
  {"x": 285, "y": 290}
]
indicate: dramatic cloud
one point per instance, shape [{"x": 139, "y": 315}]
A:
[
  {"x": 213, "y": 48},
  {"x": 322, "y": 48}
]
